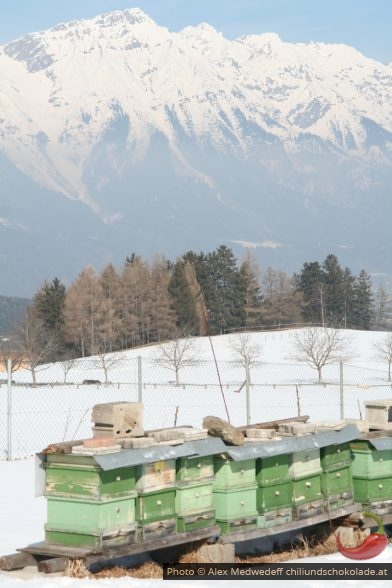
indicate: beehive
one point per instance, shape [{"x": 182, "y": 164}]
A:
[
  {"x": 337, "y": 485},
  {"x": 194, "y": 485},
  {"x": 231, "y": 474},
  {"x": 87, "y": 506},
  {"x": 270, "y": 470},
  {"x": 372, "y": 473}
]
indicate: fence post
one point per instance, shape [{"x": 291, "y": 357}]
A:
[
  {"x": 139, "y": 380},
  {"x": 247, "y": 390},
  {"x": 341, "y": 390},
  {"x": 9, "y": 420}
]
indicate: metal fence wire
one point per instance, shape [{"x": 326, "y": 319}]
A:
[{"x": 57, "y": 407}]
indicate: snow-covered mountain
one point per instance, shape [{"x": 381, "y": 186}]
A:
[{"x": 287, "y": 147}]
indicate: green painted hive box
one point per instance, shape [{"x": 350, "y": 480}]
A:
[
  {"x": 83, "y": 523},
  {"x": 274, "y": 496},
  {"x": 194, "y": 469},
  {"x": 230, "y": 474},
  {"x": 74, "y": 476},
  {"x": 335, "y": 454},
  {"x": 158, "y": 475},
  {"x": 194, "y": 498},
  {"x": 372, "y": 490},
  {"x": 271, "y": 469},
  {"x": 368, "y": 462},
  {"x": 336, "y": 480},
  {"x": 305, "y": 463},
  {"x": 194, "y": 522},
  {"x": 273, "y": 518},
  {"x": 235, "y": 504},
  {"x": 156, "y": 506},
  {"x": 306, "y": 490}
]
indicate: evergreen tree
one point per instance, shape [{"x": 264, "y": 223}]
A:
[
  {"x": 382, "y": 309},
  {"x": 349, "y": 299},
  {"x": 310, "y": 283},
  {"x": 183, "y": 301},
  {"x": 48, "y": 306},
  {"x": 249, "y": 275},
  {"x": 363, "y": 300},
  {"x": 334, "y": 299},
  {"x": 223, "y": 291}
]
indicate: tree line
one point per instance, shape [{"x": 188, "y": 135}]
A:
[{"x": 198, "y": 294}]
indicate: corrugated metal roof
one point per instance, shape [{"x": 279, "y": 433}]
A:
[
  {"x": 209, "y": 446},
  {"x": 294, "y": 443},
  {"x": 131, "y": 457},
  {"x": 382, "y": 443}
]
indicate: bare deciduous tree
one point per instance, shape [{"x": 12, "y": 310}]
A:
[
  {"x": 9, "y": 350},
  {"x": 67, "y": 365},
  {"x": 106, "y": 361},
  {"x": 177, "y": 354},
  {"x": 247, "y": 353},
  {"x": 35, "y": 343},
  {"x": 318, "y": 347},
  {"x": 384, "y": 352}
]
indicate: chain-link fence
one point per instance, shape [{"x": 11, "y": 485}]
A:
[{"x": 55, "y": 403}]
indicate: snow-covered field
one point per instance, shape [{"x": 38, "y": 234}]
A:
[
  {"x": 22, "y": 516},
  {"x": 52, "y": 412}
]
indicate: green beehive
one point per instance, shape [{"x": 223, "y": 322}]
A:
[
  {"x": 195, "y": 469},
  {"x": 275, "y": 496},
  {"x": 335, "y": 454},
  {"x": 86, "y": 523},
  {"x": 337, "y": 486},
  {"x": 270, "y": 470},
  {"x": 156, "y": 506},
  {"x": 230, "y": 474},
  {"x": 369, "y": 462},
  {"x": 151, "y": 477},
  {"x": 194, "y": 498},
  {"x": 306, "y": 490},
  {"x": 273, "y": 518},
  {"x": 373, "y": 490},
  {"x": 193, "y": 522},
  {"x": 305, "y": 463},
  {"x": 76, "y": 476},
  {"x": 235, "y": 504}
]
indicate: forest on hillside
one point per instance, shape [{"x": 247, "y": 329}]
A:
[
  {"x": 198, "y": 294},
  {"x": 12, "y": 310}
]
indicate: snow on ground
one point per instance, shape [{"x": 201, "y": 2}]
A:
[{"x": 22, "y": 516}]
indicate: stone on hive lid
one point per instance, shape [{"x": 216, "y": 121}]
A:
[
  {"x": 136, "y": 442},
  {"x": 184, "y": 433},
  {"x": 260, "y": 433},
  {"x": 217, "y": 427},
  {"x": 297, "y": 428},
  {"x": 82, "y": 450}
]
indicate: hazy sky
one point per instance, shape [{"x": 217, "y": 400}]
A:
[{"x": 365, "y": 24}]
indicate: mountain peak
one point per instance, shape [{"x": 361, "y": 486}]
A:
[{"x": 133, "y": 16}]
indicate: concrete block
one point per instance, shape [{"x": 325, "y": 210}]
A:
[
  {"x": 362, "y": 425},
  {"x": 136, "y": 442},
  {"x": 185, "y": 433},
  {"x": 82, "y": 450},
  {"x": 260, "y": 433},
  {"x": 99, "y": 442},
  {"x": 297, "y": 428},
  {"x": 218, "y": 553},
  {"x": 121, "y": 419},
  {"x": 379, "y": 413}
]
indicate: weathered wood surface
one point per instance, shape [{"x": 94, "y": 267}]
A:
[
  {"x": 17, "y": 561},
  {"x": 93, "y": 556},
  {"x": 219, "y": 428},
  {"x": 292, "y": 526},
  {"x": 53, "y": 565},
  {"x": 274, "y": 424}
]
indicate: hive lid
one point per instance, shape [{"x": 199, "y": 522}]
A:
[
  {"x": 133, "y": 457},
  {"x": 293, "y": 444},
  {"x": 381, "y": 443}
]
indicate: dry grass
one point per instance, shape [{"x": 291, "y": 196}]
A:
[{"x": 305, "y": 547}]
